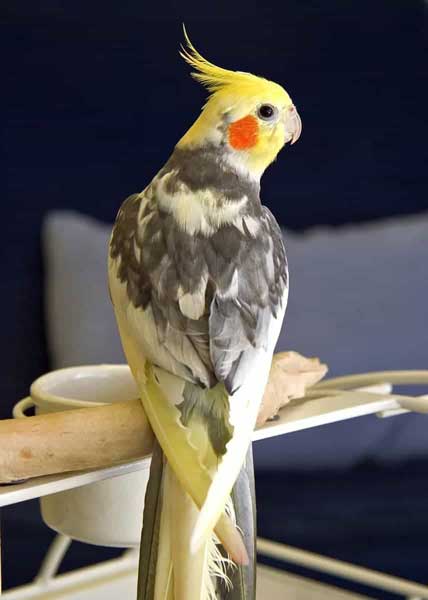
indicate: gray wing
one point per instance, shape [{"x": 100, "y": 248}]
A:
[
  {"x": 162, "y": 269},
  {"x": 212, "y": 297},
  {"x": 242, "y": 311}
]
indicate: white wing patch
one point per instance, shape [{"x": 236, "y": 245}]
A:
[
  {"x": 247, "y": 224},
  {"x": 192, "y": 305},
  {"x": 233, "y": 289}
]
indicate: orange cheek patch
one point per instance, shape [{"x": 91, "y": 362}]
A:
[{"x": 243, "y": 133}]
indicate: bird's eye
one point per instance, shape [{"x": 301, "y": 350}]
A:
[{"x": 267, "y": 112}]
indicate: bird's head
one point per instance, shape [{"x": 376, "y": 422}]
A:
[{"x": 247, "y": 117}]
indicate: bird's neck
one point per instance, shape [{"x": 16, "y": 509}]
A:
[{"x": 208, "y": 166}]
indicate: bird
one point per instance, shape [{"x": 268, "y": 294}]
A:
[{"x": 198, "y": 278}]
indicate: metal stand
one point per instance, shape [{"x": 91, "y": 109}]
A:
[{"x": 332, "y": 400}]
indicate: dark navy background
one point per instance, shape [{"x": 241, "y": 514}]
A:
[{"x": 94, "y": 96}]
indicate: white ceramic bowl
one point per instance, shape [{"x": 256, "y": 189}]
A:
[{"x": 109, "y": 512}]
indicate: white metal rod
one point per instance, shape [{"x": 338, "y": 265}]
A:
[
  {"x": 304, "y": 414},
  {"x": 86, "y": 577},
  {"x": 363, "y": 379},
  {"x": 341, "y": 569},
  {"x": 53, "y": 558},
  {"x": 406, "y": 403},
  {"x": 51, "y": 484}
]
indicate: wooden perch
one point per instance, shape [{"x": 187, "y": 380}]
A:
[
  {"x": 103, "y": 436},
  {"x": 85, "y": 438}
]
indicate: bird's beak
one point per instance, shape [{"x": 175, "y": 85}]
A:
[{"x": 293, "y": 125}]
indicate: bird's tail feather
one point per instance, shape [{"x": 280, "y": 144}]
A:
[
  {"x": 167, "y": 570},
  {"x": 243, "y": 579},
  {"x": 161, "y": 392},
  {"x": 151, "y": 527},
  {"x": 243, "y": 415}
]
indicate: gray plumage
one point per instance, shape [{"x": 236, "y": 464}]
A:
[{"x": 240, "y": 271}]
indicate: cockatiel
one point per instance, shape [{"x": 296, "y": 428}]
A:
[{"x": 199, "y": 282}]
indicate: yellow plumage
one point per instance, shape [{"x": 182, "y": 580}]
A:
[{"x": 236, "y": 94}]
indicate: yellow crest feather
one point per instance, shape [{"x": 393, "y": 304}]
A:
[{"x": 215, "y": 78}]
